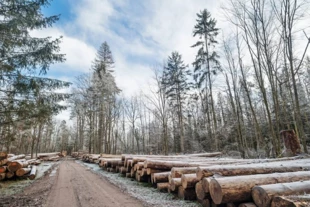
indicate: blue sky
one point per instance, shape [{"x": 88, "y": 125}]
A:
[{"x": 140, "y": 33}]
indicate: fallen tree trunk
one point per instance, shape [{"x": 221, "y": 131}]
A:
[
  {"x": 22, "y": 171},
  {"x": 189, "y": 180},
  {"x": 291, "y": 201},
  {"x": 263, "y": 195},
  {"x": 256, "y": 168},
  {"x": 238, "y": 189},
  {"x": 33, "y": 172}
]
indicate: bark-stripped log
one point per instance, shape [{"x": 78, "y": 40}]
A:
[
  {"x": 238, "y": 188},
  {"x": 186, "y": 194},
  {"x": 291, "y": 201},
  {"x": 175, "y": 183},
  {"x": 189, "y": 180},
  {"x": 33, "y": 172},
  {"x": 263, "y": 195},
  {"x": 22, "y": 171},
  {"x": 256, "y": 168}
]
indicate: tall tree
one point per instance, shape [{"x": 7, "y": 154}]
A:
[
  {"x": 175, "y": 81},
  {"x": 206, "y": 63}
]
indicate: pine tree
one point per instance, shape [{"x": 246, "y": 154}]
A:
[
  {"x": 175, "y": 78},
  {"x": 26, "y": 96},
  {"x": 206, "y": 63}
]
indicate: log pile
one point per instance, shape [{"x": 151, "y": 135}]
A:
[
  {"x": 216, "y": 181},
  {"x": 53, "y": 156},
  {"x": 12, "y": 166}
]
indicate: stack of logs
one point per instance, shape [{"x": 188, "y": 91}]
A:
[
  {"x": 215, "y": 181},
  {"x": 17, "y": 165}
]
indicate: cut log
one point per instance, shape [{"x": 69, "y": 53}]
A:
[
  {"x": 161, "y": 177},
  {"x": 33, "y": 172},
  {"x": 189, "y": 180},
  {"x": 248, "y": 204},
  {"x": 163, "y": 187},
  {"x": 238, "y": 188},
  {"x": 16, "y": 157},
  {"x": 166, "y": 165},
  {"x": 22, "y": 171},
  {"x": 256, "y": 168},
  {"x": 206, "y": 184},
  {"x": 263, "y": 195},
  {"x": 200, "y": 193},
  {"x": 3, "y": 169},
  {"x": 2, "y": 176},
  {"x": 9, "y": 175},
  {"x": 175, "y": 183},
  {"x": 291, "y": 201},
  {"x": 186, "y": 194},
  {"x": 13, "y": 166},
  {"x": 177, "y": 172}
]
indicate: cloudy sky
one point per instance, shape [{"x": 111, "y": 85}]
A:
[{"x": 140, "y": 33}]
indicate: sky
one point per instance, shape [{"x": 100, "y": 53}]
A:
[{"x": 141, "y": 35}]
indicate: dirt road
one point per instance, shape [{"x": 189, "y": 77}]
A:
[{"x": 75, "y": 185}]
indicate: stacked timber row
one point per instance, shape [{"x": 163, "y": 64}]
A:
[
  {"x": 215, "y": 181},
  {"x": 17, "y": 166}
]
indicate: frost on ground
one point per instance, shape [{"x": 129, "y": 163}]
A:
[
  {"x": 17, "y": 185},
  {"x": 139, "y": 190}
]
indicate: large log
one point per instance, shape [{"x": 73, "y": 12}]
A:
[
  {"x": 33, "y": 172},
  {"x": 13, "y": 166},
  {"x": 189, "y": 180},
  {"x": 238, "y": 188},
  {"x": 166, "y": 165},
  {"x": 22, "y": 171},
  {"x": 175, "y": 183},
  {"x": 160, "y": 177},
  {"x": 256, "y": 168},
  {"x": 177, "y": 172},
  {"x": 16, "y": 157},
  {"x": 263, "y": 195},
  {"x": 186, "y": 194},
  {"x": 291, "y": 201},
  {"x": 200, "y": 193}
]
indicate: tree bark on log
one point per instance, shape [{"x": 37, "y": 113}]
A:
[
  {"x": 22, "y": 171},
  {"x": 256, "y": 168},
  {"x": 177, "y": 172},
  {"x": 186, "y": 194},
  {"x": 263, "y": 195},
  {"x": 33, "y": 172},
  {"x": 189, "y": 180},
  {"x": 175, "y": 183},
  {"x": 161, "y": 177},
  {"x": 291, "y": 201},
  {"x": 238, "y": 189}
]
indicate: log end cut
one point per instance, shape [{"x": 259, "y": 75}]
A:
[
  {"x": 216, "y": 191},
  {"x": 260, "y": 197}
]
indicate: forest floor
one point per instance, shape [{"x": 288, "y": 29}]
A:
[{"x": 73, "y": 183}]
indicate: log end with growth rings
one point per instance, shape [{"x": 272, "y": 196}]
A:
[
  {"x": 260, "y": 197},
  {"x": 216, "y": 192}
]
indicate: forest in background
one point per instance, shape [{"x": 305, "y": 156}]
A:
[{"x": 263, "y": 68}]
